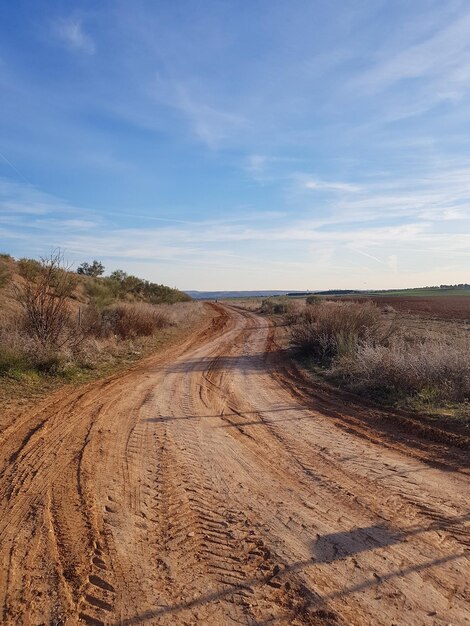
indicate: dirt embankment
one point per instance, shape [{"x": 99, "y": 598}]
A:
[{"x": 206, "y": 486}]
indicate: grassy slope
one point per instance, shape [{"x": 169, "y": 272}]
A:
[
  {"x": 98, "y": 291},
  {"x": 24, "y": 385}
]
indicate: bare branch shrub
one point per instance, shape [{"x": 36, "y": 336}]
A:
[{"x": 43, "y": 295}]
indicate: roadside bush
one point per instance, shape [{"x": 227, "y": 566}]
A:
[
  {"x": 133, "y": 320},
  {"x": 365, "y": 353},
  {"x": 431, "y": 370},
  {"x": 102, "y": 291},
  {"x": 21, "y": 353},
  {"x": 333, "y": 329},
  {"x": 43, "y": 296},
  {"x": 293, "y": 310},
  {"x": 5, "y": 274},
  {"x": 312, "y": 300},
  {"x": 91, "y": 322},
  {"x": 29, "y": 269},
  {"x": 272, "y": 306},
  {"x": 43, "y": 333},
  {"x": 182, "y": 313},
  {"x": 11, "y": 361}
]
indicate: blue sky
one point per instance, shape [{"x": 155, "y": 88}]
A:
[{"x": 240, "y": 145}]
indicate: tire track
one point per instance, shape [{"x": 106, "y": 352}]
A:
[{"x": 204, "y": 486}]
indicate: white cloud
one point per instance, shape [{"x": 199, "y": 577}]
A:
[{"x": 70, "y": 32}]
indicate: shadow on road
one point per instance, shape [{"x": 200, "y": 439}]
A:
[
  {"x": 170, "y": 418},
  {"x": 245, "y": 362},
  {"x": 326, "y": 550}
]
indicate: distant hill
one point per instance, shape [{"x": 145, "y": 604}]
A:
[
  {"x": 441, "y": 290},
  {"x": 222, "y": 295}
]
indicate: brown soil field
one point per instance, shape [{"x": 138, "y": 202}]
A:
[
  {"x": 443, "y": 307},
  {"x": 211, "y": 484}
]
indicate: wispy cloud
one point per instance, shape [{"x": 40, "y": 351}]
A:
[
  {"x": 446, "y": 53},
  {"x": 23, "y": 199},
  {"x": 70, "y": 32},
  {"x": 208, "y": 123},
  {"x": 320, "y": 185}
]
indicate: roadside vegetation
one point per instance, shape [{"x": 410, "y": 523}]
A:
[
  {"x": 363, "y": 348},
  {"x": 57, "y": 323}
]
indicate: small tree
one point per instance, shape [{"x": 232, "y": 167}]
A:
[
  {"x": 47, "y": 285},
  {"x": 119, "y": 275},
  {"x": 94, "y": 269}
]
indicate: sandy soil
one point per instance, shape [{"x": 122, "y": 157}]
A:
[{"x": 206, "y": 486}]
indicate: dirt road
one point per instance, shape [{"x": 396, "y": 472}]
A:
[{"x": 202, "y": 487}]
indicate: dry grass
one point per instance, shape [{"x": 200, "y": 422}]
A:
[
  {"x": 365, "y": 350},
  {"x": 332, "y": 329},
  {"x": 248, "y": 304},
  {"x": 127, "y": 321},
  {"x": 433, "y": 369},
  {"x": 102, "y": 337},
  {"x": 182, "y": 314}
]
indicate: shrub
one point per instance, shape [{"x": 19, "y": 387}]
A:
[
  {"x": 93, "y": 269},
  {"x": 11, "y": 360},
  {"x": 366, "y": 354},
  {"x": 21, "y": 353},
  {"x": 312, "y": 300},
  {"x": 45, "y": 336},
  {"x": 43, "y": 296},
  {"x": 434, "y": 369},
  {"x": 91, "y": 322},
  {"x": 272, "y": 306},
  {"x": 332, "y": 329},
  {"x": 5, "y": 275},
  {"x": 29, "y": 269},
  {"x": 133, "y": 320},
  {"x": 102, "y": 291},
  {"x": 121, "y": 286},
  {"x": 293, "y": 310}
]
